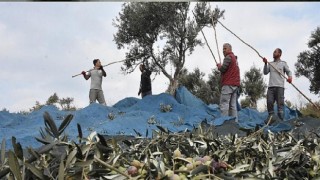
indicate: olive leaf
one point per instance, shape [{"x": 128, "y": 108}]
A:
[
  {"x": 163, "y": 129},
  {"x": 79, "y": 132},
  {"x": 65, "y": 123},
  {"x": 33, "y": 153},
  {"x": 14, "y": 165},
  {"x": 35, "y": 171},
  {"x": 3, "y": 151},
  {"x": 50, "y": 124},
  {"x": 102, "y": 139},
  {"x": 42, "y": 141},
  {"x": 17, "y": 148},
  {"x": 138, "y": 134},
  {"x": 71, "y": 157},
  {"x": 61, "y": 171}
]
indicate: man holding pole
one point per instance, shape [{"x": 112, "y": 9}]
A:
[
  {"x": 276, "y": 83},
  {"x": 96, "y": 75},
  {"x": 230, "y": 81}
]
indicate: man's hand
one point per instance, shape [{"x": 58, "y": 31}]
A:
[
  {"x": 265, "y": 60},
  {"x": 219, "y": 65},
  {"x": 83, "y": 73},
  {"x": 289, "y": 79}
]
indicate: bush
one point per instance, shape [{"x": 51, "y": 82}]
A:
[{"x": 311, "y": 110}]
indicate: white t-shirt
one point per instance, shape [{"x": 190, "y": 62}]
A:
[{"x": 96, "y": 79}]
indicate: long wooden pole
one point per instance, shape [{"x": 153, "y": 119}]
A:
[
  {"x": 215, "y": 37},
  {"x": 271, "y": 66},
  {"x": 205, "y": 39},
  {"x": 102, "y": 66},
  {"x": 108, "y": 65}
]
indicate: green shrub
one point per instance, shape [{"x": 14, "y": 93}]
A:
[{"x": 311, "y": 110}]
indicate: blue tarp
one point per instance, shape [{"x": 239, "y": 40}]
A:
[{"x": 129, "y": 115}]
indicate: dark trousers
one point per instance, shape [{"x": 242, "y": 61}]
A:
[
  {"x": 275, "y": 94},
  {"x": 143, "y": 94}
]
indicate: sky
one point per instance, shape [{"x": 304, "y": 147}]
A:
[{"x": 43, "y": 44}]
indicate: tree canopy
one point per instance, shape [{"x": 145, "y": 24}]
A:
[
  {"x": 159, "y": 34},
  {"x": 308, "y": 64},
  {"x": 214, "y": 81},
  {"x": 195, "y": 83},
  {"x": 65, "y": 103},
  {"x": 253, "y": 86}
]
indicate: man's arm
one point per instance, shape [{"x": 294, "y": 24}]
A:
[
  {"x": 103, "y": 72},
  {"x": 288, "y": 72},
  {"x": 86, "y": 77},
  {"x": 286, "y": 69},
  {"x": 266, "y": 69},
  {"x": 225, "y": 65}
]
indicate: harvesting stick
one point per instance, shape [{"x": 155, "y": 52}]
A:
[
  {"x": 107, "y": 65},
  {"x": 205, "y": 39},
  {"x": 271, "y": 66},
  {"x": 215, "y": 37}
]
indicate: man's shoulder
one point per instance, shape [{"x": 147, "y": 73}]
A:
[
  {"x": 279, "y": 61},
  {"x": 283, "y": 62},
  {"x": 228, "y": 57}
]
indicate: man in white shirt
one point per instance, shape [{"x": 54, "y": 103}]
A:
[
  {"x": 96, "y": 75},
  {"x": 276, "y": 82}
]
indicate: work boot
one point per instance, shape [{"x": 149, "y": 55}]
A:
[{"x": 271, "y": 118}]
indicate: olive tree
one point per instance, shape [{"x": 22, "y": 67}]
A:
[
  {"x": 308, "y": 64},
  {"x": 159, "y": 34}
]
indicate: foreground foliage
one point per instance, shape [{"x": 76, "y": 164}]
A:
[{"x": 199, "y": 154}]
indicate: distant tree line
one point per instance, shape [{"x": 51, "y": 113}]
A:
[
  {"x": 252, "y": 86},
  {"x": 64, "y": 103}
]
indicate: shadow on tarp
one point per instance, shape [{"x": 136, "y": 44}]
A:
[{"x": 131, "y": 116}]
